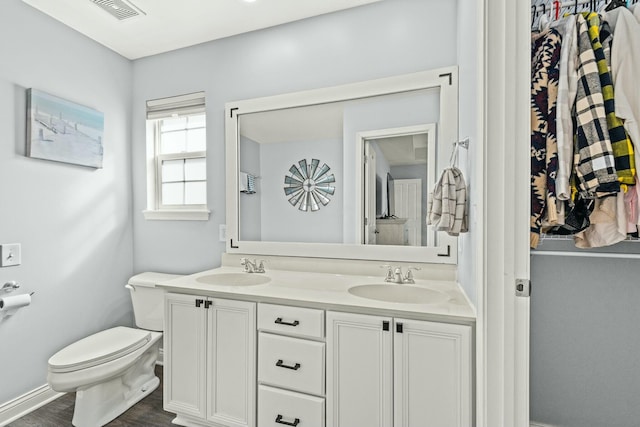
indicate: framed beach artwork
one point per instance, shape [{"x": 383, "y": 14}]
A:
[{"x": 63, "y": 131}]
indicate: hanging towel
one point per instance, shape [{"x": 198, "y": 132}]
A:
[
  {"x": 448, "y": 203},
  {"x": 251, "y": 184},
  {"x": 247, "y": 183},
  {"x": 244, "y": 180}
]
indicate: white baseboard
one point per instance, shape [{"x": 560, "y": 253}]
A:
[
  {"x": 26, "y": 403},
  {"x": 535, "y": 424}
]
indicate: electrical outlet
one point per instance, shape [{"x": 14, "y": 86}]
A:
[
  {"x": 222, "y": 233},
  {"x": 10, "y": 254}
]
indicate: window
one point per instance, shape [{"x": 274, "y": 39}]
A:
[{"x": 177, "y": 158}]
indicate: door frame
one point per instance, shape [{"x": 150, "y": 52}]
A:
[{"x": 503, "y": 319}]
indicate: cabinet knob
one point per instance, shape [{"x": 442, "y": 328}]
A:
[
  {"x": 199, "y": 302},
  {"x": 295, "y": 422}
]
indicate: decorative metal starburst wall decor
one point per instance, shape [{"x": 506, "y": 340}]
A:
[{"x": 308, "y": 186}]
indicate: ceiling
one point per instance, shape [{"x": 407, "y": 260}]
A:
[{"x": 164, "y": 25}]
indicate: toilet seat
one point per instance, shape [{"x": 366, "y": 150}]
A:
[{"x": 99, "y": 348}]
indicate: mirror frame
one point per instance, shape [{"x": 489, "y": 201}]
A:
[{"x": 446, "y": 79}]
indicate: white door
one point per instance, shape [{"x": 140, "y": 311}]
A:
[
  {"x": 432, "y": 374},
  {"x": 370, "y": 198},
  {"x": 408, "y": 204},
  {"x": 231, "y": 362},
  {"x": 359, "y": 374},
  {"x": 185, "y": 355}
]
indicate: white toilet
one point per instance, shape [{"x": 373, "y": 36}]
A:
[{"x": 112, "y": 370}]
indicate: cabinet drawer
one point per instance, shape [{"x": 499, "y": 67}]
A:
[
  {"x": 306, "y": 322},
  {"x": 291, "y": 363},
  {"x": 278, "y": 408}
]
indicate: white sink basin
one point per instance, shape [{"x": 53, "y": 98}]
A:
[
  {"x": 405, "y": 294},
  {"x": 234, "y": 279}
]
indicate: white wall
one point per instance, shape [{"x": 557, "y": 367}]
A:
[
  {"x": 74, "y": 223},
  {"x": 373, "y": 41}
]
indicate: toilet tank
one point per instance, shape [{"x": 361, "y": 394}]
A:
[{"x": 148, "y": 300}]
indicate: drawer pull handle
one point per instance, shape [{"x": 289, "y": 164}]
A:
[
  {"x": 294, "y": 423},
  {"x": 281, "y": 364},
  {"x": 279, "y": 321}
]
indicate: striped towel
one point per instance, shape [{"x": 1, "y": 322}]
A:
[{"x": 448, "y": 203}]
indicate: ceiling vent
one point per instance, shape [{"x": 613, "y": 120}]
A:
[{"x": 120, "y": 9}]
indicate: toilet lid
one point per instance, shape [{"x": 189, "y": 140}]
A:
[{"x": 99, "y": 348}]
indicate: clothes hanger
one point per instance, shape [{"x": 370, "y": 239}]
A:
[{"x": 615, "y": 4}]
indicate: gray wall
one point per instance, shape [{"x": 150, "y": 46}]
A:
[
  {"x": 585, "y": 368},
  {"x": 372, "y": 41},
  {"x": 74, "y": 223}
]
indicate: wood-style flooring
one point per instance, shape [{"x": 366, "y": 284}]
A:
[{"x": 146, "y": 413}]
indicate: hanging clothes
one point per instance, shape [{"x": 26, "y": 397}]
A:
[
  {"x": 608, "y": 224},
  {"x": 620, "y": 143},
  {"x": 567, "y": 89},
  {"x": 545, "y": 69},
  {"x": 635, "y": 9},
  {"x": 594, "y": 163},
  {"x": 625, "y": 69},
  {"x": 593, "y": 166}
]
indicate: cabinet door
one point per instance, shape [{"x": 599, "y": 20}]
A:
[
  {"x": 359, "y": 371},
  {"x": 432, "y": 374},
  {"x": 231, "y": 362},
  {"x": 185, "y": 355}
]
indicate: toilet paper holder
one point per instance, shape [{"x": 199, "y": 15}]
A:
[{"x": 10, "y": 286}]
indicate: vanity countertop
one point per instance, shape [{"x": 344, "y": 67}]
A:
[{"x": 329, "y": 291}]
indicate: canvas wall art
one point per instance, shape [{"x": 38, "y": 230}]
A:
[{"x": 63, "y": 131}]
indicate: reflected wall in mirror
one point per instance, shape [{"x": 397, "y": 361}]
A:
[{"x": 382, "y": 142}]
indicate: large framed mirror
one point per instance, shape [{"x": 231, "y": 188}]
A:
[{"x": 342, "y": 172}]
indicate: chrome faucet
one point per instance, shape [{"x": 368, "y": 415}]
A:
[
  {"x": 395, "y": 275},
  {"x": 252, "y": 266}
]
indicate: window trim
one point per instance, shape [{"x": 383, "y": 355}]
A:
[{"x": 155, "y": 210}]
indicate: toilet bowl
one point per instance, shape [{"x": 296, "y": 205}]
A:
[{"x": 112, "y": 370}]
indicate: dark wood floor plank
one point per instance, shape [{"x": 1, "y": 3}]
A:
[{"x": 146, "y": 413}]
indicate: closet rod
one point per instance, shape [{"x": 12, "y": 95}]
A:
[{"x": 587, "y": 254}]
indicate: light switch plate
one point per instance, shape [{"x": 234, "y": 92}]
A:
[{"x": 10, "y": 254}]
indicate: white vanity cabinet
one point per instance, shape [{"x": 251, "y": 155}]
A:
[
  {"x": 384, "y": 372},
  {"x": 210, "y": 358},
  {"x": 291, "y": 366}
]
